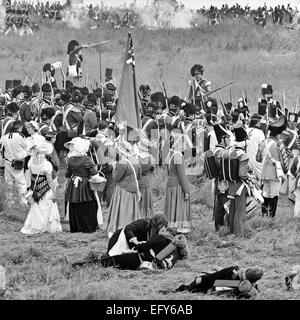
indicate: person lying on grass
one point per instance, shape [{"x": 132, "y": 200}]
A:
[{"x": 134, "y": 248}]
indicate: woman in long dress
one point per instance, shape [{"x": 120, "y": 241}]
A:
[
  {"x": 83, "y": 205},
  {"x": 147, "y": 165},
  {"x": 124, "y": 206},
  {"x": 43, "y": 215},
  {"x": 177, "y": 205}
]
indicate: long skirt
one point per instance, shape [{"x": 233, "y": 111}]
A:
[
  {"x": 43, "y": 217},
  {"x": 177, "y": 210},
  {"x": 83, "y": 216},
  {"x": 146, "y": 204},
  {"x": 123, "y": 209}
]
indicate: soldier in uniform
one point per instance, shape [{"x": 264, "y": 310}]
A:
[
  {"x": 45, "y": 101},
  {"x": 25, "y": 104},
  {"x": 199, "y": 87},
  {"x": 73, "y": 118},
  {"x": 75, "y": 59},
  {"x": 221, "y": 187},
  {"x": 230, "y": 203},
  {"x": 272, "y": 154}
]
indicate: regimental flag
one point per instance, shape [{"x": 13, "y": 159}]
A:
[{"x": 128, "y": 109}]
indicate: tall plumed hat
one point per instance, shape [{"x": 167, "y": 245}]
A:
[{"x": 46, "y": 88}]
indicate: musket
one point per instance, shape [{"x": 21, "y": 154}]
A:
[
  {"x": 142, "y": 108},
  {"x": 165, "y": 94},
  {"x": 96, "y": 44},
  {"x": 209, "y": 93},
  {"x": 27, "y": 75},
  {"x": 296, "y": 108},
  {"x": 223, "y": 106},
  {"x": 283, "y": 102}
]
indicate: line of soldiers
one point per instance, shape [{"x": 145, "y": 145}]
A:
[
  {"x": 227, "y": 144},
  {"x": 130, "y": 17},
  {"x": 17, "y": 21}
]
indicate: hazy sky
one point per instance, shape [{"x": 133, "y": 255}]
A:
[{"x": 195, "y": 4}]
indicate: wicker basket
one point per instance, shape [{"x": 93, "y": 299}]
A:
[{"x": 98, "y": 185}]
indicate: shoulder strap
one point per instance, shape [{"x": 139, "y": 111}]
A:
[
  {"x": 146, "y": 124},
  {"x": 293, "y": 140}
]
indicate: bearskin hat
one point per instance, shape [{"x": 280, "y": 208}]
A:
[
  {"x": 151, "y": 108},
  {"x": 228, "y": 106},
  {"x": 65, "y": 96},
  {"x": 69, "y": 85},
  {"x": 72, "y": 45},
  {"x": 85, "y": 91},
  {"x": 27, "y": 91},
  {"x": 254, "y": 120},
  {"x": 197, "y": 67},
  {"x": 278, "y": 126},
  {"x": 12, "y": 108},
  {"x": 35, "y": 88},
  {"x": 76, "y": 96},
  {"x": 266, "y": 89},
  {"x": 16, "y": 91},
  {"x": 90, "y": 100},
  {"x": 98, "y": 92},
  {"x": 47, "y": 113},
  {"x": 157, "y": 97},
  {"x": 102, "y": 125},
  {"x": 48, "y": 67},
  {"x": 235, "y": 115},
  {"x": 145, "y": 90},
  {"x": 46, "y": 88},
  {"x": 212, "y": 105},
  {"x": 188, "y": 108},
  {"x": 108, "y": 73}
]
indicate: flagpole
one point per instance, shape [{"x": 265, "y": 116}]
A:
[{"x": 134, "y": 83}]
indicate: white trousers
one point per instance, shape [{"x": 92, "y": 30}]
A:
[{"x": 16, "y": 177}]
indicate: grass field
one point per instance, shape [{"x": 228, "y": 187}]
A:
[{"x": 38, "y": 267}]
